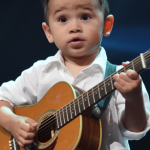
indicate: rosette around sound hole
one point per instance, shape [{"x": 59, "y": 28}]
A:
[{"x": 47, "y": 129}]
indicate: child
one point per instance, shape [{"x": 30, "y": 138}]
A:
[{"x": 77, "y": 28}]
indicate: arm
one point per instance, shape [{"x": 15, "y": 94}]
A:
[
  {"x": 22, "y": 128},
  {"x": 6, "y": 112},
  {"x": 129, "y": 85},
  {"x": 16, "y": 93},
  {"x": 134, "y": 117}
]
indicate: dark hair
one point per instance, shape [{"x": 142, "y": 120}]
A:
[{"x": 103, "y": 3}]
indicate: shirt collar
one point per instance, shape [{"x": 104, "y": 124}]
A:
[
  {"x": 99, "y": 61},
  {"x": 56, "y": 59}
]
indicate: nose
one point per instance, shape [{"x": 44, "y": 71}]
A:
[{"x": 75, "y": 27}]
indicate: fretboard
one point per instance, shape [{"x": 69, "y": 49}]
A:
[{"x": 95, "y": 94}]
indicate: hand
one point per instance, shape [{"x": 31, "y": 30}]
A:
[
  {"x": 23, "y": 130},
  {"x": 128, "y": 84}
]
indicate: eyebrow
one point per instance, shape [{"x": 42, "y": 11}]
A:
[
  {"x": 60, "y": 9},
  {"x": 79, "y": 6},
  {"x": 85, "y": 7}
]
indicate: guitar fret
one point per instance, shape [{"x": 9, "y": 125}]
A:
[
  {"x": 88, "y": 99},
  {"x": 124, "y": 69},
  {"x": 93, "y": 95},
  {"x": 83, "y": 102},
  {"x": 102, "y": 90},
  {"x": 63, "y": 115},
  {"x": 99, "y": 91},
  {"x": 57, "y": 120},
  {"x": 108, "y": 85},
  {"x": 79, "y": 105},
  {"x": 105, "y": 87},
  {"x": 70, "y": 110},
  {"x": 67, "y": 114},
  {"x": 86, "y": 102},
  {"x": 60, "y": 118},
  {"x": 142, "y": 60},
  {"x": 133, "y": 66},
  {"x": 111, "y": 82},
  {"x": 74, "y": 108}
]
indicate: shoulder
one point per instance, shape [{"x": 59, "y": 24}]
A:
[
  {"x": 41, "y": 64},
  {"x": 37, "y": 67}
]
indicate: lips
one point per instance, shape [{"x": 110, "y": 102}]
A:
[{"x": 76, "y": 41}]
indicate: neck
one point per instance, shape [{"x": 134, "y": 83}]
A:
[
  {"x": 75, "y": 65},
  {"x": 81, "y": 61}
]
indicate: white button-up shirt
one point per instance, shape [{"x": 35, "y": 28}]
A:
[{"x": 34, "y": 82}]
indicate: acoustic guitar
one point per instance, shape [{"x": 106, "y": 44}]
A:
[{"x": 62, "y": 123}]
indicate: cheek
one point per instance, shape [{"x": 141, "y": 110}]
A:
[
  {"x": 95, "y": 31},
  {"x": 58, "y": 34},
  {"x": 95, "y": 35}
]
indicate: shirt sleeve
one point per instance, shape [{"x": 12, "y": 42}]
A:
[
  {"x": 120, "y": 105},
  {"x": 22, "y": 91}
]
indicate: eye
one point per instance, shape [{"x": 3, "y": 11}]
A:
[
  {"x": 62, "y": 19},
  {"x": 85, "y": 17}
]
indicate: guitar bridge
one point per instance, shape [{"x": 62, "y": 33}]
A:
[{"x": 13, "y": 144}]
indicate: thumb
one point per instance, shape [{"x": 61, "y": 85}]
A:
[
  {"x": 125, "y": 63},
  {"x": 132, "y": 74},
  {"x": 31, "y": 122}
]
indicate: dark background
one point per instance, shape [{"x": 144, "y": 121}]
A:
[{"x": 22, "y": 40}]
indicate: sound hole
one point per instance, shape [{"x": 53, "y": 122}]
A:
[{"x": 47, "y": 129}]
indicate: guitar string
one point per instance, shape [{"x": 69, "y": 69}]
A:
[
  {"x": 77, "y": 104},
  {"x": 43, "y": 133},
  {"x": 63, "y": 112}
]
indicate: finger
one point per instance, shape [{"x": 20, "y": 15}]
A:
[
  {"x": 32, "y": 122},
  {"x": 27, "y": 136},
  {"x": 125, "y": 63},
  {"x": 119, "y": 87},
  {"x": 132, "y": 74},
  {"x": 24, "y": 142},
  {"x": 122, "y": 79},
  {"x": 121, "y": 76},
  {"x": 19, "y": 143},
  {"x": 115, "y": 76},
  {"x": 26, "y": 127}
]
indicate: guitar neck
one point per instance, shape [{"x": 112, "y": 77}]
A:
[{"x": 98, "y": 92}]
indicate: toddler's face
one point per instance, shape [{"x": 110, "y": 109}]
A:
[{"x": 76, "y": 26}]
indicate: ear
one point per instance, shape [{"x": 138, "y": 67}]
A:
[
  {"x": 47, "y": 32},
  {"x": 108, "y": 25}
]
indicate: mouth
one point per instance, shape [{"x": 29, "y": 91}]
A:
[{"x": 75, "y": 39}]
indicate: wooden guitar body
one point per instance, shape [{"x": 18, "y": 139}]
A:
[
  {"x": 62, "y": 114},
  {"x": 82, "y": 133}
]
